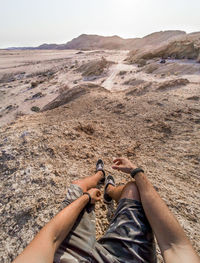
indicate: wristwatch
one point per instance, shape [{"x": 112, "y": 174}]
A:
[
  {"x": 90, "y": 198},
  {"x": 135, "y": 171}
]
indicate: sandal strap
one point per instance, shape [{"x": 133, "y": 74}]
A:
[{"x": 109, "y": 180}]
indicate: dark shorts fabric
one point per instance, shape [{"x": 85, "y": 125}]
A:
[{"x": 129, "y": 237}]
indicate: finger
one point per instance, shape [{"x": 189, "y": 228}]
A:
[
  {"x": 117, "y": 160},
  {"x": 98, "y": 196},
  {"x": 116, "y": 167},
  {"x": 98, "y": 193}
]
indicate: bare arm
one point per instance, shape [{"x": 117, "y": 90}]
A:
[
  {"x": 174, "y": 245},
  {"x": 46, "y": 242}
]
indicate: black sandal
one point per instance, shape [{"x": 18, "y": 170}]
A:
[
  {"x": 109, "y": 180},
  {"x": 100, "y": 167}
]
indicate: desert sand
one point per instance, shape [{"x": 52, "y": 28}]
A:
[{"x": 61, "y": 110}]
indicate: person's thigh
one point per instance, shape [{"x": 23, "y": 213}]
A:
[
  {"x": 130, "y": 191},
  {"x": 129, "y": 237},
  {"x": 81, "y": 239}
]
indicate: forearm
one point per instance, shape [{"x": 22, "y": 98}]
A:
[
  {"x": 165, "y": 226},
  {"x": 171, "y": 238},
  {"x": 63, "y": 222},
  {"x": 50, "y": 237}
]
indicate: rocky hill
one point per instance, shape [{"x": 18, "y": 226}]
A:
[
  {"x": 89, "y": 42},
  {"x": 156, "y": 39},
  {"x": 182, "y": 47}
]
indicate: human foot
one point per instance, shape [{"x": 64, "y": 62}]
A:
[
  {"x": 108, "y": 181},
  {"x": 100, "y": 167}
]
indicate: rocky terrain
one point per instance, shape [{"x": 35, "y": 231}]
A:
[
  {"x": 182, "y": 47},
  {"x": 62, "y": 110}
]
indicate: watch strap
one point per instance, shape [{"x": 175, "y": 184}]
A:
[
  {"x": 90, "y": 199},
  {"x": 135, "y": 171}
]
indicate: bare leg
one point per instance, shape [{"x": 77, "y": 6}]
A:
[
  {"x": 89, "y": 182},
  {"x": 115, "y": 191},
  {"x": 129, "y": 191}
]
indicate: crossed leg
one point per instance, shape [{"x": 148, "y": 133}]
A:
[
  {"x": 90, "y": 181},
  {"x": 129, "y": 191}
]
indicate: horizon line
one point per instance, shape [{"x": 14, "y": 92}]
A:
[{"x": 63, "y": 43}]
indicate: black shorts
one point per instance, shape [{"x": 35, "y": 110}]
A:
[{"x": 129, "y": 237}]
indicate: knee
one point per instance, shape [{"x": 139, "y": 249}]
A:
[
  {"x": 130, "y": 191},
  {"x": 77, "y": 182},
  {"x": 80, "y": 184}
]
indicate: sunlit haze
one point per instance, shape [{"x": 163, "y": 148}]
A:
[{"x": 31, "y": 23}]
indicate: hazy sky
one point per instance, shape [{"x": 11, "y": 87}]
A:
[{"x": 33, "y": 22}]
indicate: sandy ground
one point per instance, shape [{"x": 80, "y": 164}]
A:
[
  {"x": 133, "y": 116},
  {"x": 49, "y": 69},
  {"x": 33, "y": 78}
]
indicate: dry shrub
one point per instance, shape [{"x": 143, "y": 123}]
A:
[
  {"x": 35, "y": 108},
  {"x": 122, "y": 72},
  {"x": 34, "y": 84}
]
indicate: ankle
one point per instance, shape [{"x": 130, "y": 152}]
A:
[
  {"x": 100, "y": 174},
  {"x": 110, "y": 188}
]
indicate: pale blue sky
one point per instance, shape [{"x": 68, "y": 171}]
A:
[{"x": 33, "y": 22}]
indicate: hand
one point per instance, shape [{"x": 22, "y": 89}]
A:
[
  {"x": 95, "y": 195},
  {"x": 123, "y": 165}
]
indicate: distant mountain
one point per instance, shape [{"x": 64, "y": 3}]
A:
[
  {"x": 19, "y": 48},
  {"x": 90, "y": 42},
  {"x": 115, "y": 42},
  {"x": 48, "y": 46}
]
